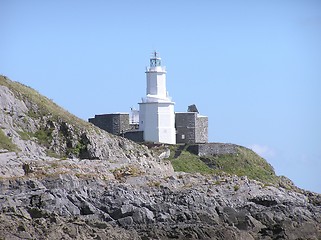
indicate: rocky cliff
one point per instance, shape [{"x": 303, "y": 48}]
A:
[
  {"x": 62, "y": 178},
  {"x": 35, "y": 131}
]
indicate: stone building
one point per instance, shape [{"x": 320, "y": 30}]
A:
[
  {"x": 115, "y": 123},
  {"x": 156, "y": 120},
  {"x": 191, "y": 127}
]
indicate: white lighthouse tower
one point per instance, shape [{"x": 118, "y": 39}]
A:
[{"x": 156, "y": 111}]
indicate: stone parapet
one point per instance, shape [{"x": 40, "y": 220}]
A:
[{"x": 207, "y": 149}]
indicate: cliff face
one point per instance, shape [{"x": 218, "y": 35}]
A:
[{"x": 62, "y": 178}]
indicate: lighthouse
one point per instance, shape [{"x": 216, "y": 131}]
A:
[{"x": 156, "y": 111}]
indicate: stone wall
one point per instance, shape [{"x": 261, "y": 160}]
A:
[
  {"x": 201, "y": 129},
  {"x": 191, "y": 128},
  {"x": 136, "y": 136},
  {"x": 118, "y": 124},
  {"x": 123, "y": 123},
  {"x": 185, "y": 127},
  {"x": 115, "y": 123},
  {"x": 213, "y": 149},
  {"x": 102, "y": 121}
]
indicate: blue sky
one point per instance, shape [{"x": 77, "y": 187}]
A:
[{"x": 253, "y": 67}]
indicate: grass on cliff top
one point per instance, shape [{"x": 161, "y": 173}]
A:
[
  {"x": 6, "y": 143},
  {"x": 45, "y": 106},
  {"x": 188, "y": 162},
  {"x": 244, "y": 163}
]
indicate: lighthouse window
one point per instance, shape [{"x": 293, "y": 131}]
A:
[{"x": 183, "y": 136}]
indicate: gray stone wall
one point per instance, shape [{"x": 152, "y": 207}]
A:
[
  {"x": 102, "y": 121},
  {"x": 201, "y": 129},
  {"x": 123, "y": 123},
  {"x": 191, "y": 128},
  {"x": 115, "y": 123},
  {"x": 136, "y": 136},
  {"x": 185, "y": 127},
  {"x": 213, "y": 149}
]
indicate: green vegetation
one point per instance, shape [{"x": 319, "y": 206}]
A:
[
  {"x": 78, "y": 149},
  {"x": 244, "y": 163},
  {"x": 25, "y": 135},
  {"x": 188, "y": 162},
  {"x": 44, "y": 137},
  {"x": 6, "y": 143}
]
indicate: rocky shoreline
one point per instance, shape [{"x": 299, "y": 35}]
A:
[{"x": 181, "y": 206}]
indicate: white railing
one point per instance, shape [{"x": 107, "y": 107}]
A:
[{"x": 156, "y": 69}]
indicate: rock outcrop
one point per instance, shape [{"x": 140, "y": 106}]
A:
[
  {"x": 182, "y": 206},
  {"x": 41, "y": 130},
  {"x": 62, "y": 178}
]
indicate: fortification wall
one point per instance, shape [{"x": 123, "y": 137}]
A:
[{"x": 208, "y": 149}]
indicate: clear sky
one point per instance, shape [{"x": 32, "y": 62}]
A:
[{"x": 253, "y": 67}]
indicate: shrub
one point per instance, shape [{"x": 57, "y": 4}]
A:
[
  {"x": 6, "y": 143},
  {"x": 44, "y": 136}
]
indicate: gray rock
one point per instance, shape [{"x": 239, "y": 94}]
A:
[
  {"x": 126, "y": 221},
  {"x": 196, "y": 211},
  {"x": 143, "y": 215}
]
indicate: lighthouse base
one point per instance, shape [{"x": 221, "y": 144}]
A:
[{"x": 157, "y": 121}]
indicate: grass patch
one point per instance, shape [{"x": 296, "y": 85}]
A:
[
  {"x": 25, "y": 135},
  {"x": 6, "y": 143},
  {"x": 244, "y": 163},
  {"x": 188, "y": 162}
]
